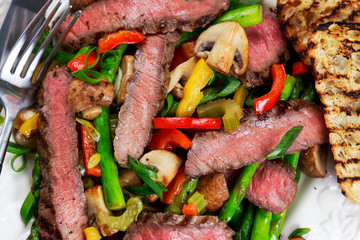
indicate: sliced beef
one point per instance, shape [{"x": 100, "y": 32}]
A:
[
  {"x": 267, "y": 46},
  {"x": 149, "y": 16},
  {"x": 62, "y": 212},
  {"x": 273, "y": 186},
  {"x": 146, "y": 91},
  {"x": 256, "y": 137},
  {"x": 166, "y": 226},
  {"x": 79, "y": 4}
]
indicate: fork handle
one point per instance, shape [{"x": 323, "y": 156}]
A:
[{"x": 5, "y": 135}]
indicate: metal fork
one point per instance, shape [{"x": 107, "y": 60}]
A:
[{"x": 17, "y": 91}]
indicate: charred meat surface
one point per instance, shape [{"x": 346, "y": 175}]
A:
[
  {"x": 273, "y": 186},
  {"x": 256, "y": 137},
  {"x": 151, "y": 16},
  {"x": 83, "y": 95},
  {"x": 267, "y": 45},
  {"x": 146, "y": 91},
  {"x": 62, "y": 213},
  {"x": 79, "y": 4},
  {"x": 171, "y": 226}
]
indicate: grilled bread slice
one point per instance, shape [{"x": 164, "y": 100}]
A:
[
  {"x": 334, "y": 50},
  {"x": 298, "y": 19}
]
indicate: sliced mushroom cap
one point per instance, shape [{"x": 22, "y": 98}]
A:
[
  {"x": 182, "y": 73},
  {"x": 83, "y": 95},
  {"x": 166, "y": 165},
  {"x": 125, "y": 72},
  {"x": 95, "y": 203},
  {"x": 225, "y": 47}
]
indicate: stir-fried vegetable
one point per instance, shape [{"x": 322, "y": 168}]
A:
[
  {"x": 288, "y": 88},
  {"x": 285, "y": 142},
  {"x": 134, "y": 206},
  {"x": 228, "y": 109},
  {"x": 192, "y": 90},
  {"x": 185, "y": 122},
  {"x": 112, "y": 40},
  {"x": 188, "y": 188},
  {"x": 238, "y": 193},
  {"x": 299, "y": 68},
  {"x": 269, "y": 100},
  {"x": 261, "y": 226},
  {"x": 109, "y": 171},
  {"x": 170, "y": 107},
  {"x": 88, "y": 150},
  {"x": 199, "y": 201},
  {"x": 167, "y": 139},
  {"x": 174, "y": 187},
  {"x": 29, "y": 125},
  {"x": 247, "y": 223},
  {"x": 86, "y": 60}
]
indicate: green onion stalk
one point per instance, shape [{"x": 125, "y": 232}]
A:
[
  {"x": 188, "y": 188},
  {"x": 113, "y": 194}
]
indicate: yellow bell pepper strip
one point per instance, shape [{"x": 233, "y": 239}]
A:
[
  {"x": 134, "y": 207},
  {"x": 29, "y": 125},
  {"x": 230, "y": 111},
  {"x": 92, "y": 233},
  {"x": 268, "y": 101},
  {"x": 240, "y": 96},
  {"x": 192, "y": 91}
]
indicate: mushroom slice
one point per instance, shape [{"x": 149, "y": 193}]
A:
[
  {"x": 125, "y": 72},
  {"x": 95, "y": 203},
  {"x": 182, "y": 73},
  {"x": 225, "y": 47},
  {"x": 166, "y": 165}
]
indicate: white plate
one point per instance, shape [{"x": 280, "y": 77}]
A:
[{"x": 319, "y": 204}]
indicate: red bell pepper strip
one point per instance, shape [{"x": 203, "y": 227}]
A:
[
  {"x": 190, "y": 209},
  {"x": 299, "y": 68},
  {"x": 297, "y": 239},
  {"x": 182, "y": 54},
  {"x": 266, "y": 102},
  {"x": 79, "y": 62},
  {"x": 167, "y": 139},
  {"x": 174, "y": 187},
  {"x": 185, "y": 122},
  {"x": 123, "y": 36},
  {"x": 89, "y": 149}
]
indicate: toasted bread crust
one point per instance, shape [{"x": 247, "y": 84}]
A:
[
  {"x": 298, "y": 18},
  {"x": 334, "y": 53}
]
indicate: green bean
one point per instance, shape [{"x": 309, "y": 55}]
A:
[
  {"x": 113, "y": 194},
  {"x": 288, "y": 88},
  {"x": 247, "y": 224},
  {"x": 261, "y": 227},
  {"x": 236, "y": 220},
  {"x": 238, "y": 193},
  {"x": 188, "y": 188}
]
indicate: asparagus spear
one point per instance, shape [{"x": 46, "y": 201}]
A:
[
  {"x": 238, "y": 193},
  {"x": 288, "y": 88},
  {"x": 247, "y": 223},
  {"x": 113, "y": 194},
  {"x": 261, "y": 227},
  {"x": 236, "y": 220}
]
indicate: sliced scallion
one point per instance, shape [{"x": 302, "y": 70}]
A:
[
  {"x": 88, "y": 75},
  {"x": 88, "y": 54},
  {"x": 146, "y": 173},
  {"x": 28, "y": 207},
  {"x": 94, "y": 134},
  {"x": 23, "y": 165},
  {"x": 285, "y": 143},
  {"x": 94, "y": 160}
]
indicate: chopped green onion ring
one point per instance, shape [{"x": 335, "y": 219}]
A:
[
  {"x": 95, "y": 135},
  {"x": 88, "y": 75},
  {"x": 285, "y": 143},
  {"x": 22, "y": 167},
  {"x": 17, "y": 149},
  {"x": 88, "y": 54}
]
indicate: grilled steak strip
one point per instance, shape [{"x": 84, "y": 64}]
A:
[
  {"x": 62, "y": 212},
  {"x": 267, "y": 46},
  {"x": 149, "y": 16},
  {"x": 273, "y": 186},
  {"x": 154, "y": 226},
  {"x": 256, "y": 137},
  {"x": 145, "y": 93}
]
